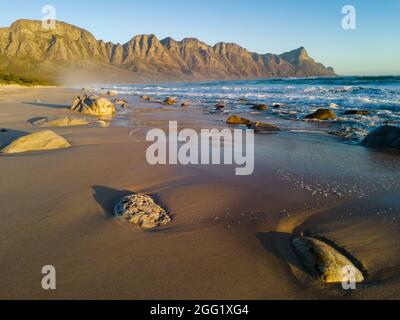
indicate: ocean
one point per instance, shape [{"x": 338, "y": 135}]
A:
[{"x": 298, "y": 97}]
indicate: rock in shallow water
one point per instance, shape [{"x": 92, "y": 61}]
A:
[
  {"x": 323, "y": 261},
  {"x": 170, "y": 101},
  {"x": 357, "y": 112},
  {"x": 141, "y": 210},
  {"x": 385, "y": 136},
  {"x": 238, "y": 120},
  {"x": 260, "y": 107},
  {"x": 322, "y": 114},
  {"x": 37, "y": 141},
  {"x": 261, "y": 127}
]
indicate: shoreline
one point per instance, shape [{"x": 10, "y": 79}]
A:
[{"x": 230, "y": 237}]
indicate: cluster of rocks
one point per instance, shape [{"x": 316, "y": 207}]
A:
[
  {"x": 141, "y": 210},
  {"x": 328, "y": 114},
  {"x": 169, "y": 101},
  {"x": 49, "y": 140}
]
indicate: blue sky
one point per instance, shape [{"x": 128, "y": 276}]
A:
[{"x": 259, "y": 25}]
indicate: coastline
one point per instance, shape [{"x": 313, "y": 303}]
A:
[{"x": 230, "y": 237}]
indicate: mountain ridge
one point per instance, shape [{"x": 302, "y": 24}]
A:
[{"x": 70, "y": 54}]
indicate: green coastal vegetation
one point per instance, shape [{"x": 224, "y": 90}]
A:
[{"x": 10, "y": 78}]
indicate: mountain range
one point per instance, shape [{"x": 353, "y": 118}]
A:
[{"x": 69, "y": 54}]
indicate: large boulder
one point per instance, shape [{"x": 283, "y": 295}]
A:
[
  {"x": 323, "y": 261},
  {"x": 384, "y": 136},
  {"x": 41, "y": 140},
  {"x": 93, "y": 105},
  {"x": 238, "y": 120},
  {"x": 141, "y": 210},
  {"x": 322, "y": 114}
]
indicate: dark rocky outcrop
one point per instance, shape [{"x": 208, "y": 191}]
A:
[{"x": 383, "y": 137}]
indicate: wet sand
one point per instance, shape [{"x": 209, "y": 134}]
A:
[{"x": 230, "y": 236}]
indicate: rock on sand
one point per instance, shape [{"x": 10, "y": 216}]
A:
[
  {"x": 323, "y": 261},
  {"x": 141, "y": 210},
  {"x": 93, "y": 105},
  {"x": 42, "y": 140},
  {"x": 61, "y": 122}
]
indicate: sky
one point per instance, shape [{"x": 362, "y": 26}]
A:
[{"x": 263, "y": 26}]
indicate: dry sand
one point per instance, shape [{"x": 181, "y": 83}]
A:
[{"x": 230, "y": 237}]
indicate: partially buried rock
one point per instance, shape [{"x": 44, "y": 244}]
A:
[
  {"x": 357, "y": 112},
  {"x": 141, "y": 210},
  {"x": 238, "y": 120},
  {"x": 322, "y": 114},
  {"x": 323, "y": 262},
  {"x": 93, "y": 105},
  {"x": 384, "y": 136},
  {"x": 37, "y": 141},
  {"x": 61, "y": 122},
  {"x": 260, "y": 127},
  {"x": 170, "y": 101},
  {"x": 260, "y": 107}
]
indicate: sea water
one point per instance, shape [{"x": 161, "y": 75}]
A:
[{"x": 297, "y": 97}]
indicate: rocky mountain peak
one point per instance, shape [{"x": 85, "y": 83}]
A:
[{"x": 28, "y": 48}]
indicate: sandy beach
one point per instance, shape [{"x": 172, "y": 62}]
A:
[{"x": 230, "y": 235}]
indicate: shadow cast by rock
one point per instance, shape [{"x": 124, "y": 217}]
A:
[
  {"x": 107, "y": 198},
  {"x": 47, "y": 105},
  {"x": 9, "y": 135},
  {"x": 33, "y": 120},
  {"x": 279, "y": 244}
]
